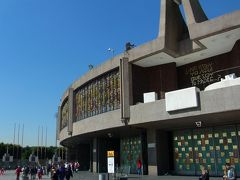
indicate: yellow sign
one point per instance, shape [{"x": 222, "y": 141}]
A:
[{"x": 110, "y": 153}]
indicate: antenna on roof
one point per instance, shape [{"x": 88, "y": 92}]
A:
[
  {"x": 129, "y": 46},
  {"x": 90, "y": 66}
]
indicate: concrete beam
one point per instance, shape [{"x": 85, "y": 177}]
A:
[
  {"x": 124, "y": 90},
  {"x": 172, "y": 25},
  {"x": 193, "y": 12}
]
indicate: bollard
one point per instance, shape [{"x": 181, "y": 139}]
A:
[
  {"x": 102, "y": 177},
  {"x": 123, "y": 178}
]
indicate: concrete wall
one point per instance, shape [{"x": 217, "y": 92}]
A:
[
  {"x": 159, "y": 79},
  {"x": 96, "y": 123}
]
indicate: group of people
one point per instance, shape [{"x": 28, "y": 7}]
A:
[
  {"x": 64, "y": 170},
  {"x": 59, "y": 171},
  {"x": 229, "y": 173},
  {"x": 29, "y": 171}
]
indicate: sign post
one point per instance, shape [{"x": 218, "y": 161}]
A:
[{"x": 110, "y": 161}]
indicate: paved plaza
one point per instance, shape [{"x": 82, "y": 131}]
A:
[{"x": 84, "y": 175}]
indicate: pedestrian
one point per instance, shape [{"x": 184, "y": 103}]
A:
[
  {"x": 54, "y": 173},
  {"x": 77, "y": 166},
  {"x": 230, "y": 173},
  {"x": 18, "y": 172},
  {"x": 25, "y": 172},
  {"x": 61, "y": 173},
  {"x": 139, "y": 167},
  {"x": 48, "y": 169},
  {"x": 69, "y": 172},
  {"x": 40, "y": 173},
  {"x": 73, "y": 166},
  {"x": 2, "y": 171},
  {"x": 204, "y": 173},
  {"x": 33, "y": 172}
]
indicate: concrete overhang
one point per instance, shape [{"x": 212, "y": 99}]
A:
[{"x": 224, "y": 101}]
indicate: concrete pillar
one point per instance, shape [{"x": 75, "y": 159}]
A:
[
  {"x": 172, "y": 25},
  {"x": 58, "y": 123},
  {"x": 71, "y": 111},
  {"x": 124, "y": 90},
  {"x": 152, "y": 152},
  {"x": 95, "y": 155},
  {"x": 159, "y": 152},
  {"x": 91, "y": 157}
]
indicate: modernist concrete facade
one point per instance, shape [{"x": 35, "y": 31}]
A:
[{"x": 195, "y": 119}]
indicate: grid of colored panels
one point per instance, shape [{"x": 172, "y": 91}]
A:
[
  {"x": 238, "y": 137},
  {"x": 211, "y": 147},
  {"x": 183, "y": 152},
  {"x": 226, "y": 147},
  {"x": 131, "y": 151},
  {"x": 203, "y": 144},
  {"x": 98, "y": 96}
]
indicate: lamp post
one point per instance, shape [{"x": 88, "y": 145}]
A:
[{"x": 111, "y": 50}]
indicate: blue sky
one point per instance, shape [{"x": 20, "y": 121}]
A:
[{"x": 46, "y": 45}]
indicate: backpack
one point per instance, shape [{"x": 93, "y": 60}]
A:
[{"x": 231, "y": 173}]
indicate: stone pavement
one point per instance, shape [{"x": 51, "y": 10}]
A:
[
  {"x": 10, "y": 175},
  {"x": 84, "y": 175}
]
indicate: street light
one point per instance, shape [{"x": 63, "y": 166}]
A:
[{"x": 111, "y": 50}]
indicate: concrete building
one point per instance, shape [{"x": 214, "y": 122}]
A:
[{"x": 173, "y": 102}]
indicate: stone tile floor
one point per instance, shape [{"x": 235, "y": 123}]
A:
[{"x": 84, "y": 175}]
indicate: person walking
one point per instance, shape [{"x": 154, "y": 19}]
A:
[
  {"x": 40, "y": 173},
  {"x": 62, "y": 172},
  {"x": 204, "y": 173},
  {"x": 230, "y": 173},
  {"x": 33, "y": 172},
  {"x": 69, "y": 172},
  {"x": 54, "y": 173},
  {"x": 139, "y": 167},
  {"x": 2, "y": 171},
  {"x": 18, "y": 172}
]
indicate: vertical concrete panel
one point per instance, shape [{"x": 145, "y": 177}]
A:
[
  {"x": 58, "y": 122},
  {"x": 125, "y": 89},
  {"x": 71, "y": 111},
  {"x": 152, "y": 152},
  {"x": 94, "y": 155}
]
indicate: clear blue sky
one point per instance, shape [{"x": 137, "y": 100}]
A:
[{"x": 45, "y": 45}]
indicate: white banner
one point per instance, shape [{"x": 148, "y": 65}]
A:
[{"x": 111, "y": 165}]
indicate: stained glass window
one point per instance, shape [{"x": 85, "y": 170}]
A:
[{"x": 98, "y": 96}]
